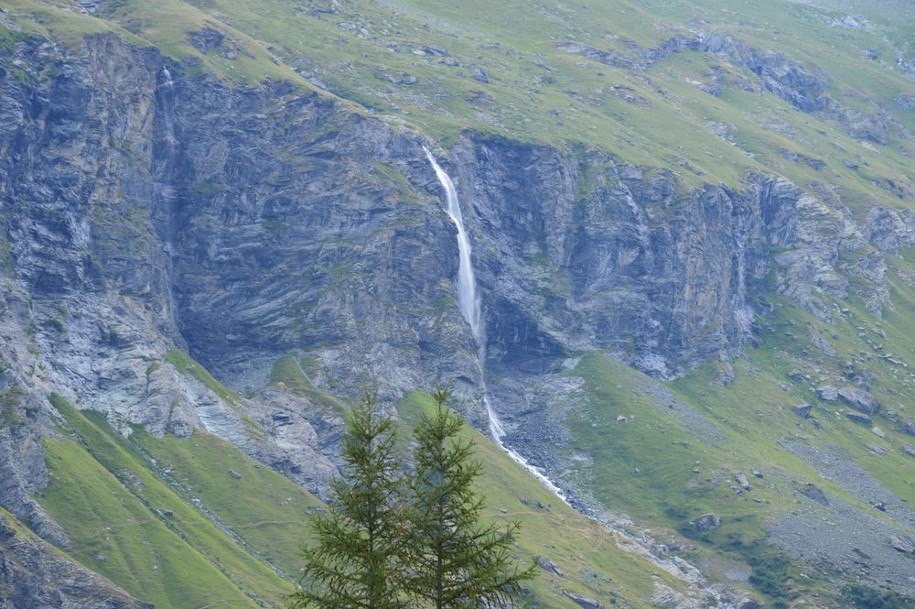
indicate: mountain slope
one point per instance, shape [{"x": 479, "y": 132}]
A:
[{"x": 691, "y": 224}]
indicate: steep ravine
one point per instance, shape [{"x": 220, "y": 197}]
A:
[{"x": 145, "y": 210}]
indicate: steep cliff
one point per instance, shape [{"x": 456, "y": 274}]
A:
[{"x": 182, "y": 251}]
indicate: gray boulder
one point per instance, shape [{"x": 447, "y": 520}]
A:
[
  {"x": 803, "y": 410},
  {"x": 859, "y": 400},
  {"x": 706, "y": 522},
  {"x": 902, "y": 544},
  {"x": 583, "y": 601},
  {"x": 548, "y": 565},
  {"x": 479, "y": 74},
  {"x": 828, "y": 393},
  {"x": 858, "y": 417}
]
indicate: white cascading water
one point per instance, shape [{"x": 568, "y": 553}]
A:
[
  {"x": 469, "y": 303},
  {"x": 468, "y": 299},
  {"x": 166, "y": 78}
]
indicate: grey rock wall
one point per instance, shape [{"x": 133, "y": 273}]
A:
[{"x": 143, "y": 210}]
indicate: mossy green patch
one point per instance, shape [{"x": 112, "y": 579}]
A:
[
  {"x": 114, "y": 533},
  {"x": 396, "y": 176},
  {"x": 286, "y": 370},
  {"x": 186, "y": 365},
  {"x": 271, "y": 520},
  {"x": 10, "y": 401},
  {"x": 128, "y": 524}
]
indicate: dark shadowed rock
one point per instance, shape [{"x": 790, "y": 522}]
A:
[
  {"x": 797, "y": 375},
  {"x": 803, "y": 410},
  {"x": 814, "y": 492},
  {"x": 859, "y": 417}
]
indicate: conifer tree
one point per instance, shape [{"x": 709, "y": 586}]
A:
[
  {"x": 355, "y": 560},
  {"x": 456, "y": 562}
]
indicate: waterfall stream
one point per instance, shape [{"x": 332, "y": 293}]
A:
[
  {"x": 469, "y": 303},
  {"x": 468, "y": 299}
]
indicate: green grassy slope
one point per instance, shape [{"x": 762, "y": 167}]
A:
[
  {"x": 191, "y": 522},
  {"x": 587, "y": 553},
  {"x": 683, "y": 444},
  {"x": 416, "y": 60},
  {"x": 151, "y": 538}
]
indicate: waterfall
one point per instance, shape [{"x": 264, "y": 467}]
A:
[
  {"x": 469, "y": 303},
  {"x": 468, "y": 299},
  {"x": 165, "y": 78}
]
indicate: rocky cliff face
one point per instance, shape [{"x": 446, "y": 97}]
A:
[
  {"x": 145, "y": 211},
  {"x": 584, "y": 253}
]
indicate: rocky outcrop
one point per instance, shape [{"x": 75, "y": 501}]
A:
[
  {"x": 547, "y": 565},
  {"x": 583, "y": 601},
  {"x": 902, "y": 544},
  {"x": 148, "y": 213},
  {"x": 858, "y": 417},
  {"x": 619, "y": 270},
  {"x": 241, "y": 225},
  {"x": 244, "y": 224},
  {"x": 860, "y": 400},
  {"x": 803, "y": 410},
  {"x": 805, "y": 87},
  {"x": 615, "y": 273},
  {"x": 827, "y": 393},
  {"x": 706, "y": 522}
]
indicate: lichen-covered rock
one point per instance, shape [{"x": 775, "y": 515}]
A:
[{"x": 827, "y": 393}]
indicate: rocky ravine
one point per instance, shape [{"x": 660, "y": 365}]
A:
[{"x": 145, "y": 211}]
